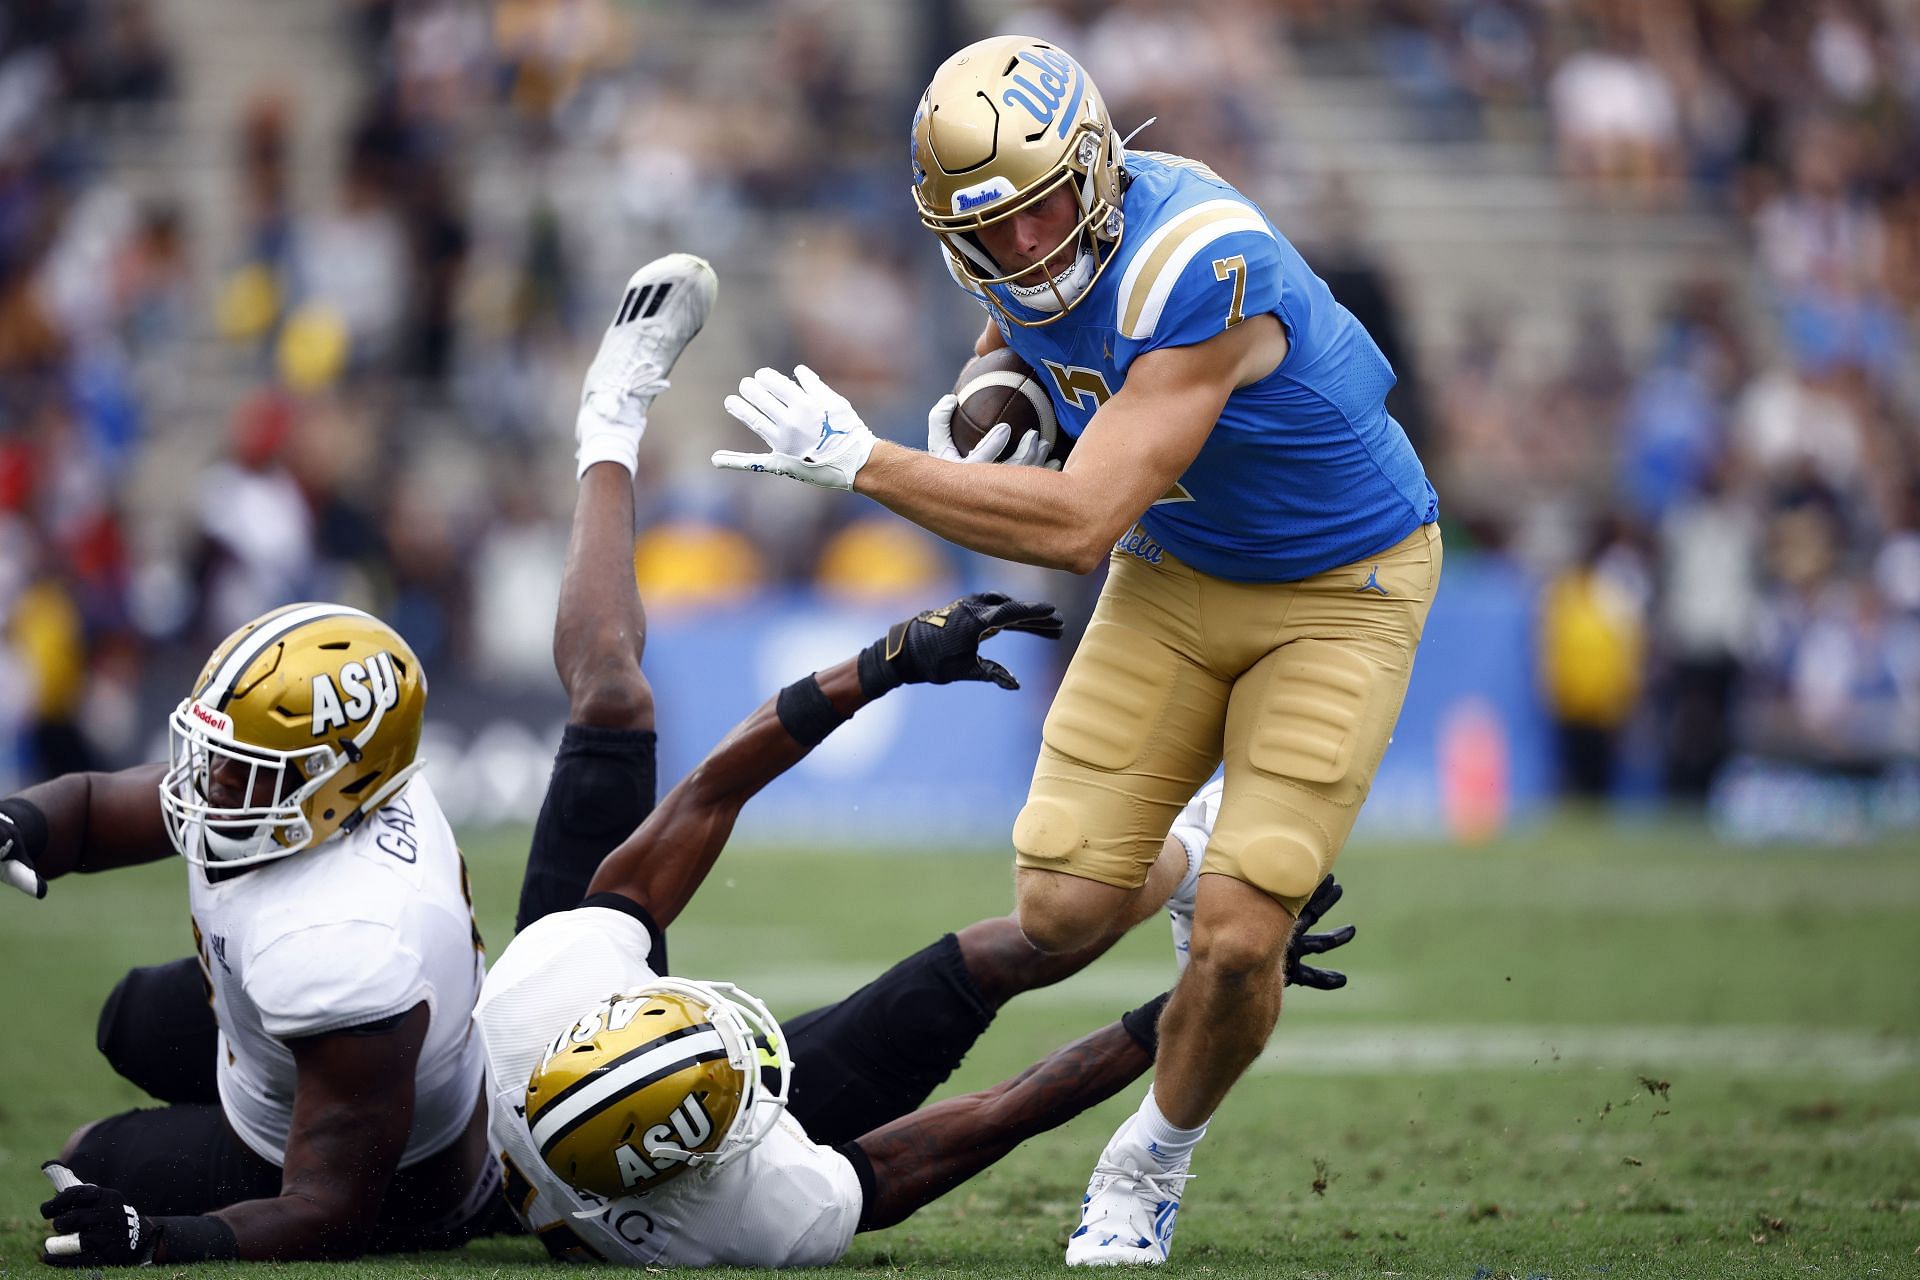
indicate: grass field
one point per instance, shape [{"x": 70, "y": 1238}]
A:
[{"x": 1585, "y": 1052}]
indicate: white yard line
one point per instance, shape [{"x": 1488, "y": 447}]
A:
[{"x": 1387, "y": 1050}]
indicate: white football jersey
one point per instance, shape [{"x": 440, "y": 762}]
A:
[
  {"x": 788, "y": 1202},
  {"x": 361, "y": 928}
]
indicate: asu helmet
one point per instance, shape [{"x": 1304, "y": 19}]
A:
[
  {"x": 302, "y": 723},
  {"x": 655, "y": 1081},
  {"x": 1005, "y": 123}
]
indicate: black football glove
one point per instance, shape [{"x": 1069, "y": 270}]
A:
[
  {"x": 93, "y": 1226},
  {"x": 17, "y": 841},
  {"x": 1317, "y": 944},
  {"x": 942, "y": 645}
]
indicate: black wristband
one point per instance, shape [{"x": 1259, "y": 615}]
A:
[
  {"x": 202, "y": 1238},
  {"x": 807, "y": 713},
  {"x": 30, "y": 823},
  {"x": 877, "y": 675},
  {"x": 1143, "y": 1024}
]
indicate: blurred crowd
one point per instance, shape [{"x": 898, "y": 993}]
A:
[
  {"x": 378, "y": 370},
  {"x": 1729, "y": 522}
]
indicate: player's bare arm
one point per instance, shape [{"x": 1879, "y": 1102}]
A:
[
  {"x": 83, "y": 822},
  {"x": 920, "y": 1157},
  {"x": 666, "y": 859},
  {"x": 352, "y": 1112},
  {"x": 1131, "y": 453},
  {"x": 661, "y": 865},
  {"x": 352, "y": 1109}
]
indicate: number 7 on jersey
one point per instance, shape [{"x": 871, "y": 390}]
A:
[{"x": 1236, "y": 267}]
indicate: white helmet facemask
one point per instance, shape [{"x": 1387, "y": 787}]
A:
[{"x": 200, "y": 744}]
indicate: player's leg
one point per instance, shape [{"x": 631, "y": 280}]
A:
[
  {"x": 158, "y": 1031},
  {"x": 1306, "y": 727},
  {"x": 877, "y": 1055},
  {"x": 918, "y": 1158},
  {"x": 603, "y": 780},
  {"x": 1135, "y": 728},
  {"x": 171, "y": 1160}
]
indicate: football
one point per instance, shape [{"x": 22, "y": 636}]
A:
[{"x": 1000, "y": 387}]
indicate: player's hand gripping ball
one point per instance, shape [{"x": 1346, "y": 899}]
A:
[{"x": 998, "y": 412}]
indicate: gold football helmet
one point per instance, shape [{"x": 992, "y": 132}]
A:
[
  {"x": 652, "y": 1082},
  {"x": 302, "y": 723},
  {"x": 1005, "y": 123}
]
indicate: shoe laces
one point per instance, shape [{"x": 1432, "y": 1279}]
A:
[{"x": 1166, "y": 1184}]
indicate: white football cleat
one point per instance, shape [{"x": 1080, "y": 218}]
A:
[
  {"x": 665, "y": 304},
  {"x": 1126, "y": 1219},
  {"x": 1192, "y": 828}
]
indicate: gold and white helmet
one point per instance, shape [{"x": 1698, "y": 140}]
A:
[
  {"x": 302, "y": 723},
  {"x": 1005, "y": 123},
  {"x": 652, "y": 1082}
]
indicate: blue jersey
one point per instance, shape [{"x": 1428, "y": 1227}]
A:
[{"x": 1305, "y": 469}]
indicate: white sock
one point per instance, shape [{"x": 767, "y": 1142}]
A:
[
  {"x": 605, "y": 440},
  {"x": 1163, "y": 1140}
]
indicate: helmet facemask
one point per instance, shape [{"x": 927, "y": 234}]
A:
[
  {"x": 302, "y": 723},
  {"x": 200, "y": 744},
  {"x": 1091, "y": 241},
  {"x": 1005, "y": 123}
]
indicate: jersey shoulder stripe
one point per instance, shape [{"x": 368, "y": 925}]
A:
[{"x": 1155, "y": 269}]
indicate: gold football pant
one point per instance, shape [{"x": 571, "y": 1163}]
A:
[{"x": 1295, "y": 685}]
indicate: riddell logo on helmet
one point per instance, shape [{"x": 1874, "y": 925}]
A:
[{"x": 210, "y": 718}]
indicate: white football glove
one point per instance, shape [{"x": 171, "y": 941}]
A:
[
  {"x": 810, "y": 430},
  {"x": 15, "y": 868},
  {"x": 1031, "y": 451}
]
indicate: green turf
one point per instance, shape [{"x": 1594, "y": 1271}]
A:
[{"x": 1587, "y": 1052}]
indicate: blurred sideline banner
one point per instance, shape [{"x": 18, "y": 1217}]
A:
[{"x": 940, "y": 766}]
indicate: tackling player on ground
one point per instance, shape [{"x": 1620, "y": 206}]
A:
[
  {"x": 647, "y": 1119},
  {"x": 1271, "y": 536},
  {"x": 323, "y": 1093}
]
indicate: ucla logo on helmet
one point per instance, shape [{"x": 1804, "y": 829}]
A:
[
  {"x": 1054, "y": 78},
  {"x": 361, "y": 688}
]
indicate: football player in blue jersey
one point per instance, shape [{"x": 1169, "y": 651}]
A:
[{"x": 1270, "y": 532}]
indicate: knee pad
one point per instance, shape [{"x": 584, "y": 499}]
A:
[
  {"x": 1047, "y": 830},
  {"x": 1283, "y": 863}
]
